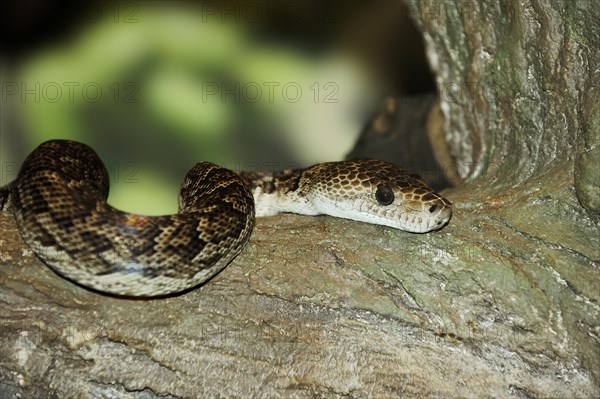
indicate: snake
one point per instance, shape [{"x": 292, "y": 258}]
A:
[{"x": 59, "y": 202}]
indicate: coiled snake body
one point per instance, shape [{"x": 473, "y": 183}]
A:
[{"x": 59, "y": 202}]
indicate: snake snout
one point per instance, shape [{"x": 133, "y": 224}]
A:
[{"x": 440, "y": 212}]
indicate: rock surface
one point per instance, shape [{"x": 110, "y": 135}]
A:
[{"x": 496, "y": 304}]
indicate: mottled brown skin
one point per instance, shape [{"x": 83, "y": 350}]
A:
[
  {"x": 344, "y": 175},
  {"x": 372, "y": 172},
  {"x": 345, "y": 181},
  {"x": 59, "y": 202}
]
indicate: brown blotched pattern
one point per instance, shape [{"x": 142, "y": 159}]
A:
[
  {"x": 353, "y": 190},
  {"x": 59, "y": 202}
]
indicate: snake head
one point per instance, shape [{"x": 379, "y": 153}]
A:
[{"x": 379, "y": 192}]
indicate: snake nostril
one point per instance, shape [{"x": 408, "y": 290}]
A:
[{"x": 432, "y": 208}]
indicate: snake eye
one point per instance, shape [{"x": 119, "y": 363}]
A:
[{"x": 384, "y": 195}]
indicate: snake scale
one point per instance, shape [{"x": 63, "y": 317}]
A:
[{"x": 59, "y": 202}]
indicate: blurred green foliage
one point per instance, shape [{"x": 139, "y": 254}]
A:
[{"x": 158, "y": 90}]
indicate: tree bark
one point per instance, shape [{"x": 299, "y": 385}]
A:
[{"x": 503, "y": 302}]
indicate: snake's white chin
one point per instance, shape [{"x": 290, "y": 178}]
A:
[
  {"x": 393, "y": 216},
  {"x": 360, "y": 209}
]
